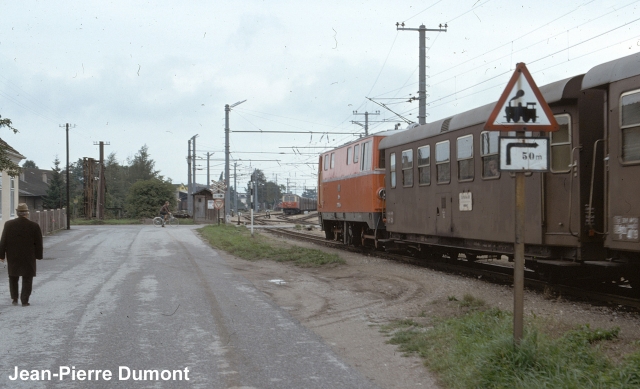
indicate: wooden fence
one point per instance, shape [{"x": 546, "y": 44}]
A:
[{"x": 50, "y": 220}]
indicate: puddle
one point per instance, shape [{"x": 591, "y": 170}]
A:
[{"x": 278, "y": 282}]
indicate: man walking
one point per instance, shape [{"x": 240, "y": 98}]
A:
[{"x": 21, "y": 243}]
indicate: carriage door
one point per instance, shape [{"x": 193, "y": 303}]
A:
[
  {"x": 558, "y": 191},
  {"x": 443, "y": 193}
]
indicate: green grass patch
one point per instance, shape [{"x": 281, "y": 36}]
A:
[
  {"x": 476, "y": 350},
  {"x": 238, "y": 241}
]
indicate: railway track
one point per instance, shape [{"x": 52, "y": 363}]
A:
[
  {"x": 486, "y": 270},
  {"x": 611, "y": 295}
]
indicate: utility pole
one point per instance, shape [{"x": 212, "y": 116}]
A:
[
  {"x": 235, "y": 187},
  {"x": 208, "y": 177},
  {"x": 102, "y": 187},
  {"x": 68, "y": 181},
  {"x": 227, "y": 109},
  {"x": 366, "y": 120},
  {"x": 422, "y": 92},
  {"x": 189, "y": 188},
  {"x": 194, "y": 180}
]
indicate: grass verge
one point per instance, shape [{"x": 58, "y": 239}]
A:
[
  {"x": 476, "y": 350},
  {"x": 238, "y": 241}
]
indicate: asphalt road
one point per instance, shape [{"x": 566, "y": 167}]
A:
[{"x": 125, "y": 299}]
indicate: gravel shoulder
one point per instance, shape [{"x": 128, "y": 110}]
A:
[{"x": 346, "y": 304}]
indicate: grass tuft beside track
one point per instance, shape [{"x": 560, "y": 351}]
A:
[
  {"x": 476, "y": 350},
  {"x": 238, "y": 241}
]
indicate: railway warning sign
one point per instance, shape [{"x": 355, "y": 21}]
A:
[
  {"x": 218, "y": 203},
  {"x": 521, "y": 106}
]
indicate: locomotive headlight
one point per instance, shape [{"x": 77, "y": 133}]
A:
[{"x": 382, "y": 194}]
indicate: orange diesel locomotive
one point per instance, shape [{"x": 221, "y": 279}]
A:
[{"x": 351, "y": 195}]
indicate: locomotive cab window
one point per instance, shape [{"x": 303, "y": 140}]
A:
[
  {"x": 326, "y": 162},
  {"x": 424, "y": 165},
  {"x": 630, "y": 126},
  {"x": 489, "y": 152},
  {"x": 443, "y": 164},
  {"x": 560, "y": 145},
  {"x": 333, "y": 160},
  {"x": 356, "y": 153},
  {"x": 392, "y": 169},
  {"x": 407, "y": 168},
  {"x": 366, "y": 160},
  {"x": 349, "y": 155},
  {"x": 464, "y": 154}
]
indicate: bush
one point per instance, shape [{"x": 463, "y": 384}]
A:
[{"x": 145, "y": 198}]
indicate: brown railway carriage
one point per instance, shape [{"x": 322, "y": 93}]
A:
[
  {"x": 445, "y": 195},
  {"x": 619, "y": 81},
  {"x": 351, "y": 191}
]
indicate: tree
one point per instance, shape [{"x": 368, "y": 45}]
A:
[
  {"x": 29, "y": 164},
  {"x": 116, "y": 179},
  {"x": 57, "y": 192},
  {"x": 145, "y": 198},
  {"x": 6, "y": 164},
  {"x": 141, "y": 166}
]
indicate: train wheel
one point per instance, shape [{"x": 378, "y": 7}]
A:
[
  {"x": 471, "y": 257},
  {"x": 453, "y": 254},
  {"x": 362, "y": 238}
]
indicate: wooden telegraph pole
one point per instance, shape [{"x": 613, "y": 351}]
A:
[{"x": 522, "y": 109}]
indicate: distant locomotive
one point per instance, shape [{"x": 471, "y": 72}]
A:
[
  {"x": 435, "y": 189},
  {"x": 293, "y": 204}
]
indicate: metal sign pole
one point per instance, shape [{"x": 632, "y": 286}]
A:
[{"x": 518, "y": 269}]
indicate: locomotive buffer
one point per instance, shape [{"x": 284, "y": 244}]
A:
[{"x": 516, "y": 111}]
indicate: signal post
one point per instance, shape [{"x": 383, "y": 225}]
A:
[{"x": 521, "y": 108}]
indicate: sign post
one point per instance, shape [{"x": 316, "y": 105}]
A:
[{"x": 524, "y": 109}]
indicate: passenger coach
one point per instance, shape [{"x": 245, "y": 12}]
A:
[{"x": 446, "y": 195}]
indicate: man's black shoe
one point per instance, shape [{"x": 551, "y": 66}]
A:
[
  {"x": 14, "y": 302},
  {"x": 25, "y": 304}
]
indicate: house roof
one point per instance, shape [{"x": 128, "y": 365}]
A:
[
  {"x": 31, "y": 183},
  {"x": 10, "y": 149}
]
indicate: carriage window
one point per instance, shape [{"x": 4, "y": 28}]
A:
[
  {"x": 407, "y": 168},
  {"x": 443, "y": 167},
  {"x": 464, "y": 150},
  {"x": 630, "y": 126},
  {"x": 424, "y": 165},
  {"x": 333, "y": 160},
  {"x": 326, "y": 162},
  {"x": 356, "y": 153},
  {"x": 392, "y": 169},
  {"x": 349, "y": 155},
  {"x": 561, "y": 145},
  {"x": 489, "y": 152},
  {"x": 365, "y": 162}
]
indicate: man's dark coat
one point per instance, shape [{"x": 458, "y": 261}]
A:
[{"x": 21, "y": 245}]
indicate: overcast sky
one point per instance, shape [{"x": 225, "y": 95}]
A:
[{"x": 159, "y": 72}]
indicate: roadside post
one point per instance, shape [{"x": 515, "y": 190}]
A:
[{"x": 522, "y": 110}]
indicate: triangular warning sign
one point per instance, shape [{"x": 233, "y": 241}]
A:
[{"x": 521, "y": 106}]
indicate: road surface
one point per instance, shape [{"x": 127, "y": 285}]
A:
[{"x": 114, "y": 303}]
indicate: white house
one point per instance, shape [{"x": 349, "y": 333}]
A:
[{"x": 9, "y": 187}]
